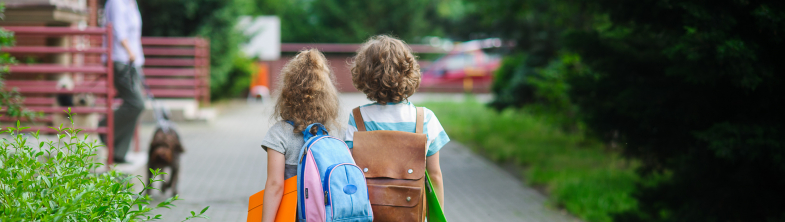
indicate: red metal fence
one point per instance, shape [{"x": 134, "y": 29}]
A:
[
  {"x": 37, "y": 81},
  {"x": 177, "y": 67},
  {"x": 340, "y": 57}
]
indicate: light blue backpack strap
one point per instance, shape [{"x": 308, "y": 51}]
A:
[
  {"x": 300, "y": 199},
  {"x": 320, "y": 131}
]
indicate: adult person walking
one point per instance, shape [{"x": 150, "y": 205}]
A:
[{"x": 128, "y": 59}]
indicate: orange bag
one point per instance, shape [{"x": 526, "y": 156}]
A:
[{"x": 287, "y": 211}]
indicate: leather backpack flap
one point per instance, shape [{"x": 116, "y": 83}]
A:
[
  {"x": 394, "y": 167},
  {"x": 390, "y": 154},
  {"x": 397, "y": 196}
]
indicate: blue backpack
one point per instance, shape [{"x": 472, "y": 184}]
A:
[{"x": 330, "y": 186}]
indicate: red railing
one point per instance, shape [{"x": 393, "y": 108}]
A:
[
  {"x": 177, "y": 67},
  {"x": 38, "y": 85}
]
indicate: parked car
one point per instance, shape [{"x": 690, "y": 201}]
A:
[{"x": 461, "y": 65}]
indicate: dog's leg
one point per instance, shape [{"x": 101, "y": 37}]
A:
[{"x": 173, "y": 180}]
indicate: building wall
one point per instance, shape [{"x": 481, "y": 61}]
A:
[
  {"x": 44, "y": 12},
  {"x": 73, "y": 5}
]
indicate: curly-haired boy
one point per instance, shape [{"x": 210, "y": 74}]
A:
[{"x": 387, "y": 72}]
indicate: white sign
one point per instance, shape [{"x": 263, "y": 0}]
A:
[{"x": 264, "y": 34}]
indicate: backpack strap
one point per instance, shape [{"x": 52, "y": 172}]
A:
[
  {"x": 358, "y": 119},
  {"x": 420, "y": 117}
]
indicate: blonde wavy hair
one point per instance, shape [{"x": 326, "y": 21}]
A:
[
  {"x": 385, "y": 70},
  {"x": 307, "y": 92}
]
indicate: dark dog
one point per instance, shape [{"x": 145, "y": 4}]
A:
[{"x": 165, "y": 150}]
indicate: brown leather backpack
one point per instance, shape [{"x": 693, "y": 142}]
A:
[{"x": 394, "y": 166}]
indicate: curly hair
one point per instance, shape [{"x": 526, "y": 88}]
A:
[
  {"x": 307, "y": 92},
  {"x": 385, "y": 70}
]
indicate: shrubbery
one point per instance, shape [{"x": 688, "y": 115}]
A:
[
  {"x": 695, "y": 89},
  {"x": 542, "y": 89},
  {"x": 577, "y": 171},
  {"x": 692, "y": 88},
  {"x": 58, "y": 181}
]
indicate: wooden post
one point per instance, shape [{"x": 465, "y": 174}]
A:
[
  {"x": 109, "y": 98},
  {"x": 206, "y": 71},
  {"x": 93, "y": 20}
]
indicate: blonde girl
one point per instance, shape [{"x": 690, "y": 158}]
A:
[{"x": 307, "y": 95}]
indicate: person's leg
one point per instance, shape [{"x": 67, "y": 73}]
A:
[{"x": 125, "y": 117}]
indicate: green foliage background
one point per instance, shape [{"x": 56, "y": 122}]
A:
[
  {"x": 692, "y": 87},
  {"x": 334, "y": 21}
]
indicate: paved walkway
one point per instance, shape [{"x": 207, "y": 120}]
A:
[{"x": 224, "y": 164}]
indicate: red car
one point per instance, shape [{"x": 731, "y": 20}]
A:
[{"x": 472, "y": 66}]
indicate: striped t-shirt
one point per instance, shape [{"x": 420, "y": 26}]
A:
[{"x": 399, "y": 117}]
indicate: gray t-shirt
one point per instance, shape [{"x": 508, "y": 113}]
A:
[{"x": 281, "y": 138}]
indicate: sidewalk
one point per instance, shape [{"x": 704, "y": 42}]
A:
[{"x": 224, "y": 164}]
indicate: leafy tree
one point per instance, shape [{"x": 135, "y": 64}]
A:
[
  {"x": 355, "y": 21},
  {"x": 535, "y": 73},
  {"x": 695, "y": 89},
  {"x": 334, "y": 21}
]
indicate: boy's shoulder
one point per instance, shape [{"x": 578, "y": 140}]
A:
[
  {"x": 375, "y": 108},
  {"x": 427, "y": 111}
]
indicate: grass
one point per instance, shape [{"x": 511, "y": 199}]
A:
[{"x": 578, "y": 173}]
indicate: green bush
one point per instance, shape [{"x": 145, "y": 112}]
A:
[
  {"x": 695, "y": 89},
  {"x": 57, "y": 181},
  {"x": 540, "y": 89},
  {"x": 577, "y": 172},
  {"x": 240, "y": 76},
  {"x": 535, "y": 72}
]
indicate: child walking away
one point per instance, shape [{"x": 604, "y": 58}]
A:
[
  {"x": 393, "y": 141},
  {"x": 330, "y": 187}
]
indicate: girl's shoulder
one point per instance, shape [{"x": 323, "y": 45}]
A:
[
  {"x": 282, "y": 124},
  {"x": 282, "y": 128}
]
